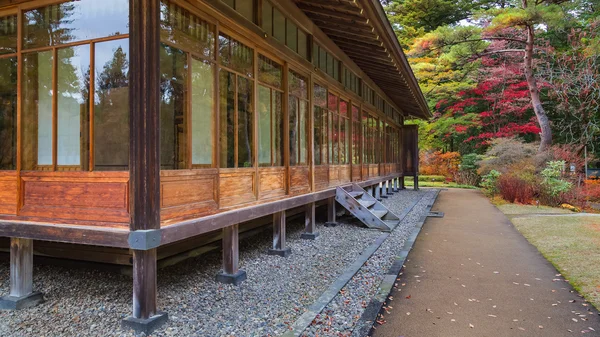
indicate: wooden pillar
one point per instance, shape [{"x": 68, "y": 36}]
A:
[
  {"x": 384, "y": 189},
  {"x": 377, "y": 192},
  {"x": 231, "y": 256},
  {"x": 401, "y": 181},
  {"x": 331, "y": 221},
  {"x": 144, "y": 161},
  {"x": 279, "y": 244},
  {"x": 396, "y": 183},
  {"x": 21, "y": 293},
  {"x": 390, "y": 187},
  {"x": 416, "y": 184},
  {"x": 310, "y": 226}
]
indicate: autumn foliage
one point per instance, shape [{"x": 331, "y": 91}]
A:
[{"x": 439, "y": 163}]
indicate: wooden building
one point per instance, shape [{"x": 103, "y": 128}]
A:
[{"x": 136, "y": 124}]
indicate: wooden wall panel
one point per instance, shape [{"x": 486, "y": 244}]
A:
[
  {"x": 334, "y": 175},
  {"x": 373, "y": 170},
  {"x": 356, "y": 172},
  {"x": 321, "y": 177},
  {"x": 365, "y": 172},
  {"x": 87, "y": 196},
  {"x": 188, "y": 193},
  {"x": 299, "y": 180},
  {"x": 344, "y": 173},
  {"x": 271, "y": 182},
  {"x": 8, "y": 193},
  {"x": 237, "y": 186}
]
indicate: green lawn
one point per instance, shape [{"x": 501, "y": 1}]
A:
[
  {"x": 529, "y": 209},
  {"x": 570, "y": 243}
]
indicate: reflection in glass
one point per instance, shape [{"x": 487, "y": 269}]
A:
[
  {"x": 355, "y": 135},
  {"x": 111, "y": 106},
  {"x": 269, "y": 72},
  {"x": 37, "y": 110},
  {"x": 264, "y": 126},
  {"x": 245, "y": 122},
  {"x": 227, "y": 118},
  {"x": 235, "y": 55},
  {"x": 298, "y": 118},
  {"x": 173, "y": 107},
  {"x": 202, "y": 112},
  {"x": 8, "y": 34},
  {"x": 182, "y": 28},
  {"x": 293, "y": 116},
  {"x": 74, "y": 21},
  {"x": 303, "y": 134},
  {"x": 73, "y": 78},
  {"x": 8, "y": 113}
]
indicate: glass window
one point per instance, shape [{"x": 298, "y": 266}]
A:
[
  {"x": 8, "y": 113},
  {"x": 269, "y": 72},
  {"x": 202, "y": 111},
  {"x": 227, "y": 89},
  {"x": 322, "y": 59},
  {"x": 173, "y": 108},
  {"x": 74, "y": 21},
  {"x": 279, "y": 25},
  {"x": 270, "y": 114},
  {"x": 246, "y": 8},
  {"x": 320, "y": 125},
  {"x": 111, "y": 106},
  {"x": 292, "y": 36},
  {"x": 245, "y": 122},
  {"x": 298, "y": 118},
  {"x": 8, "y": 34},
  {"x": 267, "y": 17},
  {"x": 302, "y": 44},
  {"x": 235, "y": 55},
  {"x": 180, "y": 27},
  {"x": 355, "y": 135}
]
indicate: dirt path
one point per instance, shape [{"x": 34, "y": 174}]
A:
[{"x": 471, "y": 274}]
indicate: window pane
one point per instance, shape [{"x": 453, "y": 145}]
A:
[
  {"x": 245, "y": 122},
  {"x": 246, "y": 8},
  {"x": 303, "y": 114},
  {"x": 334, "y": 144},
  {"x": 73, "y": 104},
  {"x": 269, "y": 72},
  {"x": 302, "y": 44},
  {"x": 318, "y": 125},
  {"x": 202, "y": 111},
  {"x": 74, "y": 21},
  {"x": 111, "y": 106},
  {"x": 236, "y": 55},
  {"x": 37, "y": 110},
  {"x": 315, "y": 52},
  {"x": 267, "y": 17},
  {"x": 8, "y": 113},
  {"x": 173, "y": 90},
  {"x": 227, "y": 118},
  {"x": 292, "y": 36},
  {"x": 293, "y": 114},
  {"x": 322, "y": 59},
  {"x": 332, "y": 102},
  {"x": 186, "y": 30},
  {"x": 264, "y": 126},
  {"x": 8, "y": 34},
  {"x": 278, "y": 25},
  {"x": 277, "y": 128},
  {"x": 319, "y": 96},
  {"x": 298, "y": 85}
]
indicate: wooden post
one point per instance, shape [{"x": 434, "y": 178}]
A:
[
  {"x": 231, "y": 251},
  {"x": 401, "y": 181},
  {"x": 279, "y": 247},
  {"x": 21, "y": 293},
  {"x": 331, "y": 221},
  {"x": 384, "y": 190},
  {"x": 416, "y": 177},
  {"x": 396, "y": 183},
  {"x": 144, "y": 160},
  {"x": 310, "y": 226},
  {"x": 390, "y": 187},
  {"x": 377, "y": 192}
]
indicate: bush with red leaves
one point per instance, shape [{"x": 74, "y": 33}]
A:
[{"x": 516, "y": 189}]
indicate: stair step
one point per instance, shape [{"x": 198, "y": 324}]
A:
[
  {"x": 380, "y": 213},
  {"x": 367, "y": 203},
  {"x": 356, "y": 194}
]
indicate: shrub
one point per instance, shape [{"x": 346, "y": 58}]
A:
[
  {"x": 439, "y": 163},
  {"x": 467, "y": 174},
  {"x": 489, "y": 182},
  {"x": 552, "y": 181},
  {"x": 432, "y": 178},
  {"x": 515, "y": 189},
  {"x": 505, "y": 152}
]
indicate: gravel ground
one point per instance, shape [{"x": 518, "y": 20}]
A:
[
  {"x": 340, "y": 316},
  {"x": 92, "y": 302}
]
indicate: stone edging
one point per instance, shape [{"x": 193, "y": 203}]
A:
[
  {"x": 326, "y": 297},
  {"x": 365, "y": 324}
]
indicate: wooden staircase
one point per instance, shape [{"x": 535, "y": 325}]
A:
[{"x": 366, "y": 208}]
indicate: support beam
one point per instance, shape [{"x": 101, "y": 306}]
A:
[
  {"x": 390, "y": 187},
  {"x": 21, "y": 293},
  {"x": 231, "y": 256},
  {"x": 310, "y": 226},
  {"x": 144, "y": 156},
  {"x": 401, "y": 180},
  {"x": 279, "y": 244},
  {"x": 396, "y": 183},
  {"x": 331, "y": 221},
  {"x": 377, "y": 192},
  {"x": 416, "y": 179},
  {"x": 384, "y": 190}
]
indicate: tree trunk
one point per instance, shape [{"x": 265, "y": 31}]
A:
[{"x": 540, "y": 113}]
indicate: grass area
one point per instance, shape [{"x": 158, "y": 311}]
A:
[
  {"x": 408, "y": 182},
  {"x": 571, "y": 244},
  {"x": 529, "y": 209}
]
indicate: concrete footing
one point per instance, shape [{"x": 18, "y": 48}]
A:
[
  {"x": 235, "y": 279},
  {"x": 21, "y": 302},
  {"x": 331, "y": 224},
  {"x": 309, "y": 236},
  {"x": 147, "y": 325},
  {"x": 280, "y": 252}
]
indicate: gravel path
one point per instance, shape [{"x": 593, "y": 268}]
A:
[
  {"x": 340, "y": 316},
  {"x": 92, "y": 303}
]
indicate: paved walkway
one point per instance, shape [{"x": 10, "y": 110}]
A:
[{"x": 472, "y": 274}]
